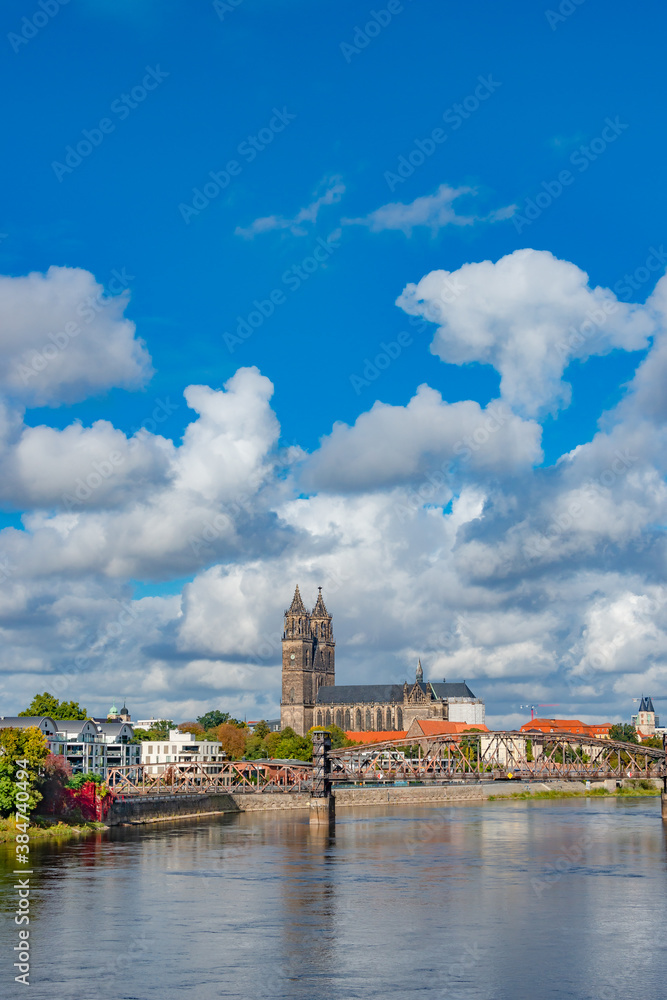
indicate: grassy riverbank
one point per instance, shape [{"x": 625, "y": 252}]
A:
[
  {"x": 45, "y": 828},
  {"x": 641, "y": 788}
]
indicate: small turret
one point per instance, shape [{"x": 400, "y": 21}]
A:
[{"x": 419, "y": 673}]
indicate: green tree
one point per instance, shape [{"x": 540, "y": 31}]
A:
[
  {"x": 47, "y": 704},
  {"x": 160, "y": 731},
  {"x": 261, "y": 729},
  {"x": 214, "y": 718},
  {"x": 28, "y": 746},
  {"x": 624, "y": 732}
]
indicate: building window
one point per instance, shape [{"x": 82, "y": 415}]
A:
[
  {"x": 348, "y": 721},
  {"x": 357, "y": 720},
  {"x": 369, "y": 720},
  {"x": 399, "y": 719},
  {"x": 378, "y": 717},
  {"x": 327, "y": 718},
  {"x": 339, "y": 718},
  {"x": 319, "y": 718},
  {"x": 166, "y": 750},
  {"x": 149, "y": 750},
  {"x": 174, "y": 751},
  {"x": 389, "y": 722}
]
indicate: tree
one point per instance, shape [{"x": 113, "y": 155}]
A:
[
  {"x": 28, "y": 746},
  {"x": 56, "y": 772},
  {"x": 192, "y": 727},
  {"x": 261, "y": 729},
  {"x": 233, "y": 739},
  {"x": 160, "y": 731},
  {"x": 624, "y": 732},
  {"x": 214, "y": 718},
  {"x": 47, "y": 704}
]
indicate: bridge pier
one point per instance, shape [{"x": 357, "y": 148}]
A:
[
  {"x": 323, "y": 811},
  {"x": 322, "y": 802}
]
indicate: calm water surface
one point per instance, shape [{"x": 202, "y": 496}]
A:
[{"x": 506, "y": 900}]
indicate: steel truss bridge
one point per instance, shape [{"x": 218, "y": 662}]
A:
[{"x": 471, "y": 757}]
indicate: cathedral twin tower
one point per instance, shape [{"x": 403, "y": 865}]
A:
[{"x": 308, "y": 661}]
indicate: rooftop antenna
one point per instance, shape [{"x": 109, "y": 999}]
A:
[{"x": 533, "y": 707}]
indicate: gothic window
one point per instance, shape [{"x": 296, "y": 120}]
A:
[
  {"x": 357, "y": 720},
  {"x": 379, "y": 720},
  {"x": 399, "y": 719},
  {"x": 369, "y": 720},
  {"x": 348, "y": 721},
  {"x": 291, "y": 696},
  {"x": 339, "y": 718},
  {"x": 327, "y": 718},
  {"x": 388, "y": 715},
  {"x": 319, "y": 718}
]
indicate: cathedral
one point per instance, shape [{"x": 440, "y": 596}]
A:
[{"x": 311, "y": 697}]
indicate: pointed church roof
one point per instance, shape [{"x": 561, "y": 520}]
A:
[
  {"x": 419, "y": 672},
  {"x": 297, "y": 606},
  {"x": 646, "y": 705},
  {"x": 320, "y": 611}
]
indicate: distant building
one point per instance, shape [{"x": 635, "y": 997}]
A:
[
  {"x": 646, "y": 721},
  {"x": 311, "y": 697},
  {"x": 148, "y": 723},
  {"x": 115, "y": 716},
  {"x": 599, "y": 730},
  {"x": 181, "y": 748}
]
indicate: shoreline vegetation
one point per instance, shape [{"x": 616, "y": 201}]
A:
[
  {"x": 642, "y": 787},
  {"x": 48, "y": 828}
]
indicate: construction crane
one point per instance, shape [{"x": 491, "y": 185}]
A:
[{"x": 533, "y": 707}]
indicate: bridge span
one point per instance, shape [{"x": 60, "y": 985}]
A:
[{"x": 471, "y": 757}]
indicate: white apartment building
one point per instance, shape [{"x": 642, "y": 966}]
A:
[
  {"x": 88, "y": 745},
  {"x": 181, "y": 748}
]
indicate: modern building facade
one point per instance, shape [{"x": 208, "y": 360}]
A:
[
  {"x": 311, "y": 697},
  {"x": 87, "y": 745},
  {"x": 182, "y": 748}
]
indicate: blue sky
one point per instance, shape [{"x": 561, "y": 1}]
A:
[{"x": 336, "y": 109}]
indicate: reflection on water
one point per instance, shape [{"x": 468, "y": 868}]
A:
[{"x": 561, "y": 899}]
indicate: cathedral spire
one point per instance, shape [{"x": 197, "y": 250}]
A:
[
  {"x": 297, "y": 606},
  {"x": 320, "y": 611},
  {"x": 420, "y": 673}
]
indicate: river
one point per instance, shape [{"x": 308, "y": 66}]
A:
[{"x": 500, "y": 901}]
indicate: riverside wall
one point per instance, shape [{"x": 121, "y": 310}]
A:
[
  {"x": 131, "y": 809},
  {"x": 137, "y": 809}
]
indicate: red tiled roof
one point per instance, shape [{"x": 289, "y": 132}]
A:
[
  {"x": 439, "y": 727},
  {"x": 376, "y": 737},
  {"x": 567, "y": 726}
]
